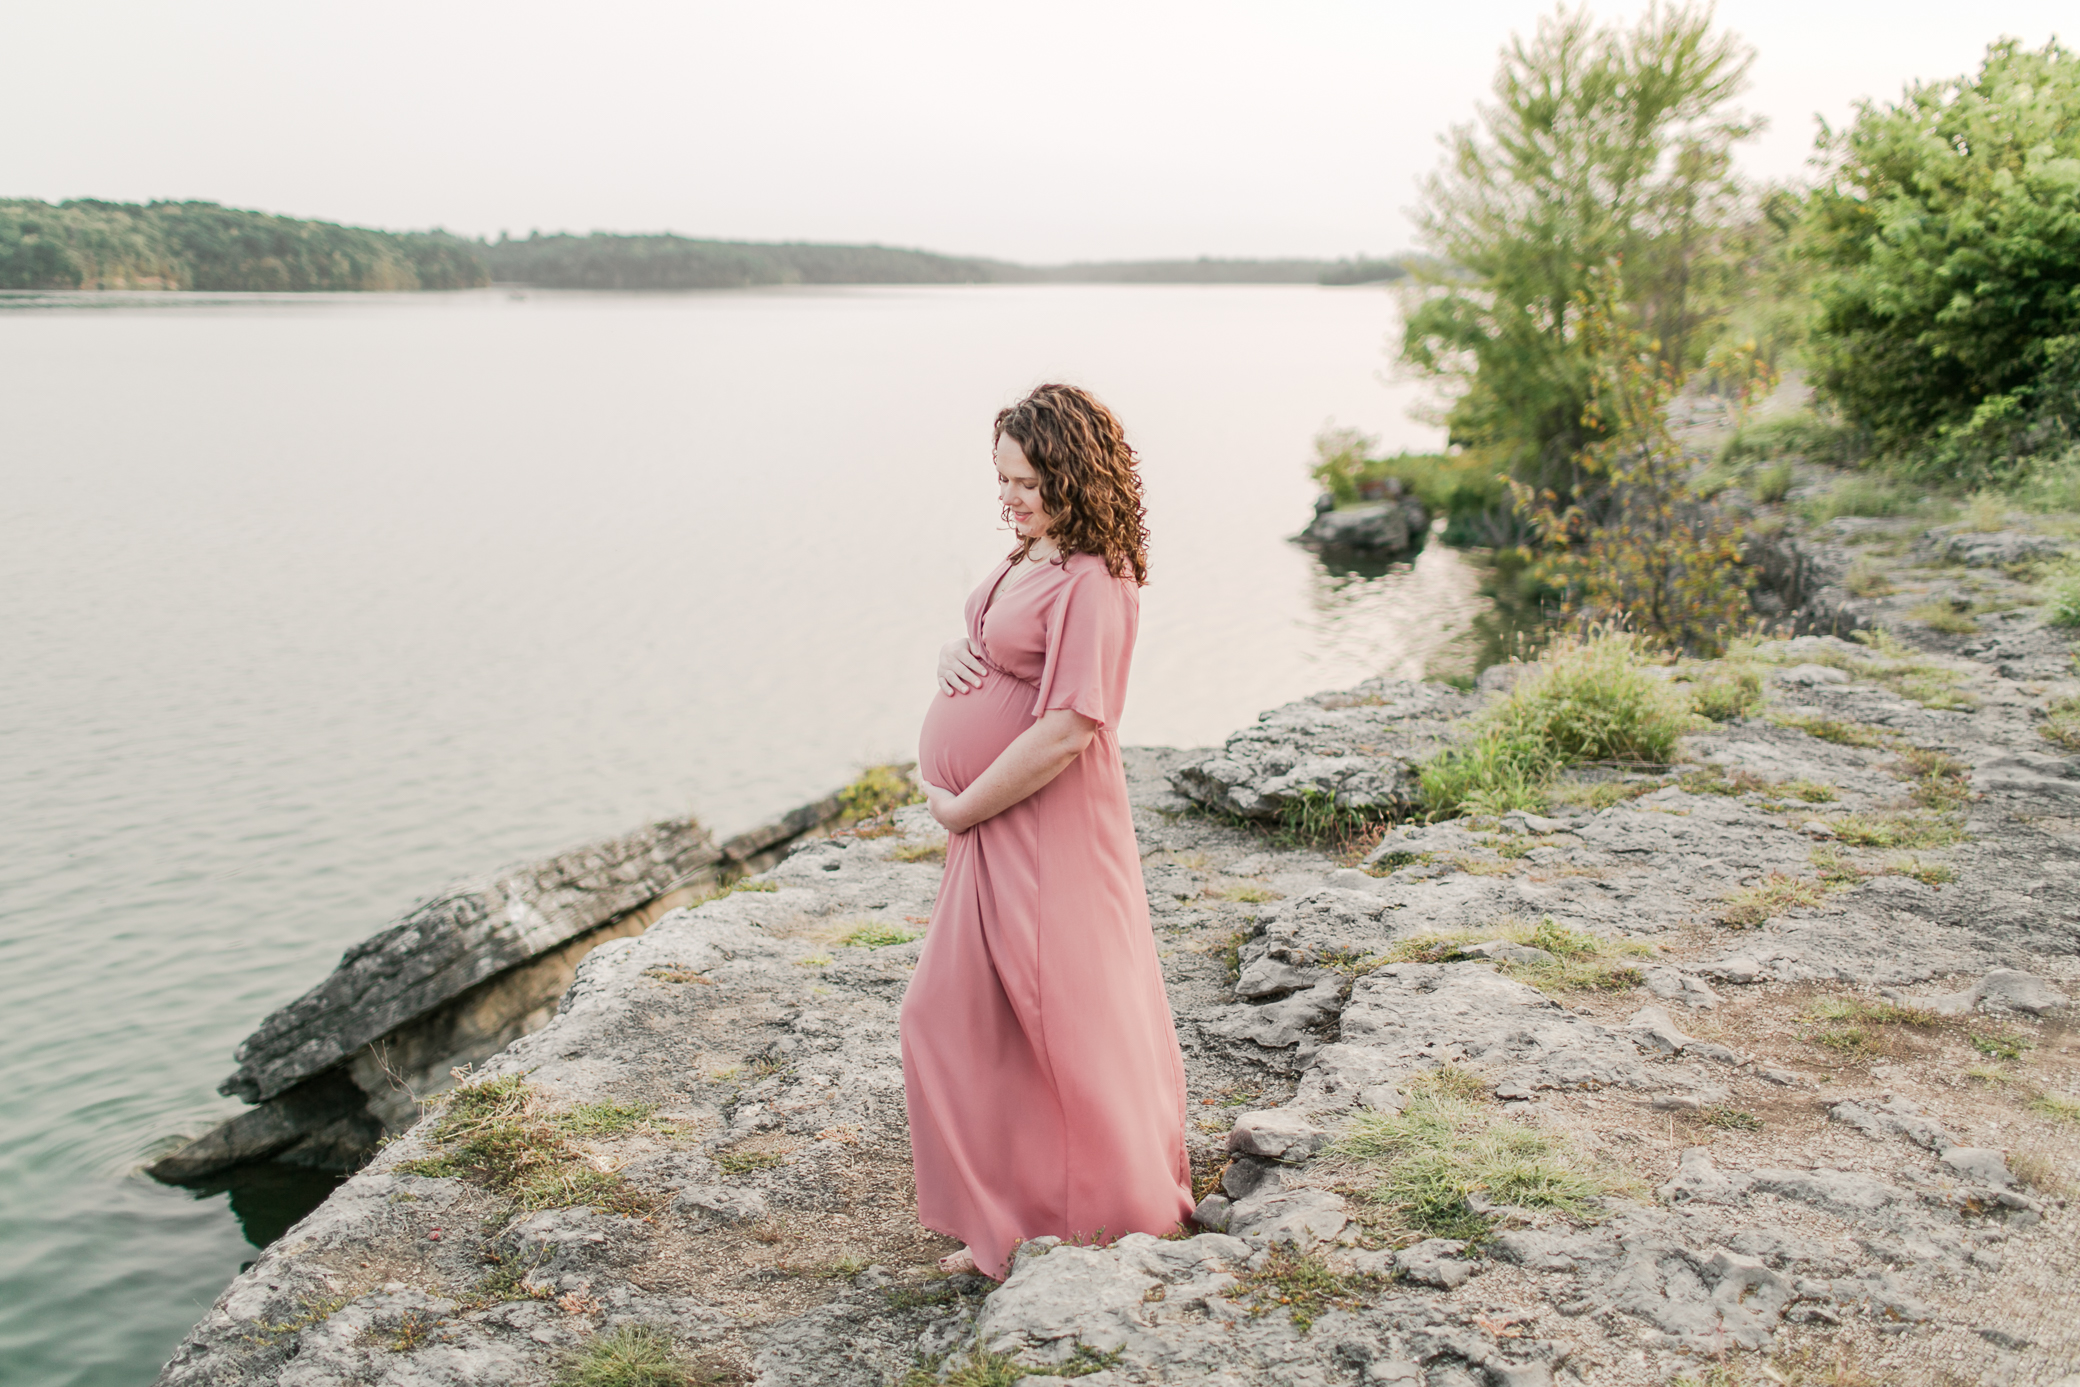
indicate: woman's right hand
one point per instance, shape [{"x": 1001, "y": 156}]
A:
[{"x": 960, "y": 667}]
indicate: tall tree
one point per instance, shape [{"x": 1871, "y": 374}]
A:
[{"x": 1600, "y": 176}]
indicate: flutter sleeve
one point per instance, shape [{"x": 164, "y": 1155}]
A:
[{"x": 1090, "y": 642}]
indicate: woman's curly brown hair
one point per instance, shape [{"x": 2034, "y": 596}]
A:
[{"x": 1087, "y": 477}]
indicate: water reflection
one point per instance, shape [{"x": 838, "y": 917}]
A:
[
  {"x": 1405, "y": 619},
  {"x": 267, "y": 1198}
]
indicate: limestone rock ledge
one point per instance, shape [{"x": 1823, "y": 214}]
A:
[{"x": 1866, "y": 1208}]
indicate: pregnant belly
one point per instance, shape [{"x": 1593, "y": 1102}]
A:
[{"x": 965, "y": 733}]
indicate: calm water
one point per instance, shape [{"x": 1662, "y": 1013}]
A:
[{"x": 307, "y": 607}]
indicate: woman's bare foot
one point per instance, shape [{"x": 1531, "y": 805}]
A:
[{"x": 959, "y": 1262}]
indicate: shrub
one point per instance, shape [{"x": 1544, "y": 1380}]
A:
[
  {"x": 878, "y": 790},
  {"x": 1590, "y": 699}
]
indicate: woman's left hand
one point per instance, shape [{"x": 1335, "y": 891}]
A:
[{"x": 945, "y": 807}]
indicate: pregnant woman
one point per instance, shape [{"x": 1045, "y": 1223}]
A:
[{"x": 1045, "y": 1085}]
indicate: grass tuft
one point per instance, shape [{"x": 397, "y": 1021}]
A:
[
  {"x": 632, "y": 1355},
  {"x": 1749, "y": 907},
  {"x": 1304, "y": 1286},
  {"x": 878, "y": 790},
  {"x": 1586, "y": 700},
  {"x": 1427, "y": 1161},
  {"x": 878, "y": 936},
  {"x": 2057, "y": 1107},
  {"x": 498, "y": 1136},
  {"x": 1737, "y": 695},
  {"x": 1730, "y": 1119},
  {"x": 2061, "y": 724}
]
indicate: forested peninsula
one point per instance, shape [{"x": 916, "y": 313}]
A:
[{"x": 90, "y": 244}]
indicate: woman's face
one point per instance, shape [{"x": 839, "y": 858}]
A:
[{"x": 1018, "y": 487}]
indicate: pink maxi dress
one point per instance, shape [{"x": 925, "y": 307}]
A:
[{"x": 1040, "y": 1062}]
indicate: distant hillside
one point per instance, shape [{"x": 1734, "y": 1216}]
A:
[
  {"x": 88, "y": 244},
  {"x": 199, "y": 245},
  {"x": 606, "y": 261}
]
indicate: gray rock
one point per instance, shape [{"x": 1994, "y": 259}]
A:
[
  {"x": 1673, "y": 985},
  {"x": 1894, "y": 1116},
  {"x": 1302, "y": 1217},
  {"x": 2003, "y": 989},
  {"x": 1657, "y": 1029},
  {"x": 1379, "y": 527},
  {"x": 1979, "y": 1164},
  {"x": 1439, "y": 1262},
  {"x": 1975, "y": 549},
  {"x": 1279, "y": 1134}
]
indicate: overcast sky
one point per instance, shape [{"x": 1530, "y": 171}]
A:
[{"x": 1047, "y": 131}]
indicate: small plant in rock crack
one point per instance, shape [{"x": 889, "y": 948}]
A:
[
  {"x": 1304, "y": 1286},
  {"x": 744, "y": 1162},
  {"x": 879, "y": 936},
  {"x": 507, "y": 1280},
  {"x": 2056, "y": 1106},
  {"x": 499, "y": 1135},
  {"x": 1426, "y": 1162},
  {"x": 2001, "y": 1045},
  {"x": 1730, "y": 1119},
  {"x": 1776, "y": 893},
  {"x": 631, "y": 1356},
  {"x": 2061, "y": 724},
  {"x": 414, "y": 1329},
  {"x": 980, "y": 1368}
]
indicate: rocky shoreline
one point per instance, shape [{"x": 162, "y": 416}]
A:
[{"x": 1809, "y": 1041}]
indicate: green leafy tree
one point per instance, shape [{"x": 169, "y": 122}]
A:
[
  {"x": 1947, "y": 247},
  {"x": 1604, "y": 150}
]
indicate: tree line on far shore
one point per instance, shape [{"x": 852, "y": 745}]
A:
[{"x": 90, "y": 244}]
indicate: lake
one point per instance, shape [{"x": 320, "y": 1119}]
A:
[{"x": 311, "y": 605}]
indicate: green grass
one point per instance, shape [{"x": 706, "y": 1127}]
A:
[
  {"x": 1736, "y": 695},
  {"x": 606, "y": 1119},
  {"x": 2063, "y": 606},
  {"x": 1866, "y": 579},
  {"x": 2000, "y": 1045},
  {"x": 1423, "y": 1163},
  {"x": 1858, "y": 495},
  {"x": 1840, "y": 733},
  {"x": 878, "y": 936},
  {"x": 744, "y": 1162},
  {"x": 2061, "y": 724},
  {"x": 1893, "y": 666},
  {"x": 1902, "y": 830},
  {"x": 1751, "y": 906},
  {"x": 628, "y": 1356},
  {"x": 1303, "y": 1285},
  {"x": 1249, "y": 895},
  {"x": 2056, "y": 1106},
  {"x": 1771, "y": 484},
  {"x": 1730, "y": 1119},
  {"x": 499, "y": 1136},
  {"x": 878, "y": 790},
  {"x": 1585, "y": 700},
  {"x": 1941, "y": 616},
  {"x": 1581, "y": 962}
]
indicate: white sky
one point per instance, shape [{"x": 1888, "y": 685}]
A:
[{"x": 1056, "y": 130}]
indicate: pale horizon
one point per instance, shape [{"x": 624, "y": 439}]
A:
[{"x": 1107, "y": 132}]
